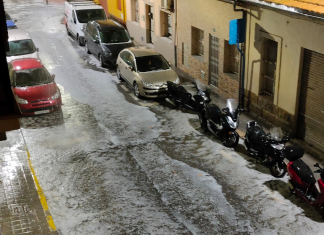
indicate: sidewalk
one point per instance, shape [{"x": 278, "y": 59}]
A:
[
  {"x": 310, "y": 157},
  {"x": 23, "y": 208}
]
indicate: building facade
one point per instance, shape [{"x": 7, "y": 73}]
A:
[
  {"x": 117, "y": 10},
  {"x": 153, "y": 23},
  {"x": 203, "y": 45},
  {"x": 284, "y": 69}
]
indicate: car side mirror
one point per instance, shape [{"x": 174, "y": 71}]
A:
[
  {"x": 37, "y": 49},
  {"x": 316, "y": 165},
  {"x": 74, "y": 21},
  {"x": 53, "y": 76},
  {"x": 132, "y": 38},
  {"x": 96, "y": 41},
  {"x": 15, "y": 21}
]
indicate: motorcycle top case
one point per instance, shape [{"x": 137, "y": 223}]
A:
[
  {"x": 303, "y": 171},
  {"x": 293, "y": 153}
]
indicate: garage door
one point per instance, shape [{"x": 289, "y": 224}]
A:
[{"x": 311, "y": 104}]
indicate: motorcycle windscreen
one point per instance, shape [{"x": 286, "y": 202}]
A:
[
  {"x": 232, "y": 105},
  {"x": 276, "y": 133}
]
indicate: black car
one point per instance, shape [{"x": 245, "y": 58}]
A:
[{"x": 105, "y": 39}]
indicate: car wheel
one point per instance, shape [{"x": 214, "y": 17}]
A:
[
  {"x": 101, "y": 61},
  {"x": 67, "y": 31},
  {"x": 79, "y": 41},
  {"x": 86, "y": 48},
  {"x": 136, "y": 90},
  {"x": 118, "y": 73}
]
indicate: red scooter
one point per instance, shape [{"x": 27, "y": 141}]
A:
[{"x": 302, "y": 183}]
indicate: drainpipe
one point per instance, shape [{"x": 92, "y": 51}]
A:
[
  {"x": 175, "y": 38},
  {"x": 242, "y": 69}
]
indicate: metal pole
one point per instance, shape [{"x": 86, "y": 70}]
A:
[{"x": 242, "y": 76}]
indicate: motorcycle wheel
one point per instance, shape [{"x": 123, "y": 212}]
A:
[
  {"x": 202, "y": 120},
  {"x": 230, "y": 140},
  {"x": 278, "y": 170}
]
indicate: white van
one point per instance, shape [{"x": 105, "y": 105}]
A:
[{"x": 77, "y": 15}]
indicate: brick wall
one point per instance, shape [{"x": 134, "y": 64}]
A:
[
  {"x": 263, "y": 107},
  {"x": 213, "y": 18}
]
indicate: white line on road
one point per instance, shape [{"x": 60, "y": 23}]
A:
[
  {"x": 148, "y": 104},
  {"x": 125, "y": 88},
  {"x": 133, "y": 96}
]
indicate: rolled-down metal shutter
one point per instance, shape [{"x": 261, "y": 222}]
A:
[{"x": 311, "y": 104}]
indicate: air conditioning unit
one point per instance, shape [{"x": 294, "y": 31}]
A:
[{"x": 167, "y": 4}]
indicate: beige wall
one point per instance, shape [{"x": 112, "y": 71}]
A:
[
  {"x": 138, "y": 30},
  {"x": 213, "y": 18},
  {"x": 292, "y": 35}
]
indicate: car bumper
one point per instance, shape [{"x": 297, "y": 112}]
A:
[
  {"x": 155, "y": 93},
  {"x": 40, "y": 107},
  {"x": 109, "y": 59}
]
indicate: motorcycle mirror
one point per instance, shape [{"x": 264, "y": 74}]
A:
[{"x": 316, "y": 165}]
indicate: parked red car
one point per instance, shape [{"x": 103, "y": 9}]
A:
[{"x": 33, "y": 87}]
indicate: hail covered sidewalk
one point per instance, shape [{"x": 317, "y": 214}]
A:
[{"x": 23, "y": 206}]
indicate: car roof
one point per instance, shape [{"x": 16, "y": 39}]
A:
[
  {"x": 107, "y": 24},
  {"x": 140, "y": 51},
  {"x": 17, "y": 34},
  {"x": 87, "y": 7},
  {"x": 26, "y": 63}
]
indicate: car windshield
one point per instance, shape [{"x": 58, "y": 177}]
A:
[
  {"x": 87, "y": 15},
  {"x": 114, "y": 36},
  {"x": 32, "y": 77},
  {"x": 21, "y": 47},
  {"x": 151, "y": 63}
]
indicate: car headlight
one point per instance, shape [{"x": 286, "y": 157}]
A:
[
  {"x": 83, "y": 28},
  {"x": 106, "y": 53},
  {"x": 147, "y": 84},
  {"x": 278, "y": 146},
  {"x": 231, "y": 123},
  {"x": 56, "y": 95},
  {"x": 21, "y": 101}
]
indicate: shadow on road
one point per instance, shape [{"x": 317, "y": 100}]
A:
[{"x": 282, "y": 188}]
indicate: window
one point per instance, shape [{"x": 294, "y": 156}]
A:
[
  {"x": 135, "y": 11},
  {"x": 119, "y": 7},
  {"x": 197, "y": 41},
  {"x": 21, "y": 47},
  {"x": 268, "y": 67},
  {"x": 90, "y": 14},
  {"x": 166, "y": 25},
  {"x": 231, "y": 60}
]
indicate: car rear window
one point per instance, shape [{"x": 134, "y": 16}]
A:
[
  {"x": 32, "y": 77},
  {"x": 114, "y": 36},
  {"x": 21, "y": 47},
  {"x": 151, "y": 63}
]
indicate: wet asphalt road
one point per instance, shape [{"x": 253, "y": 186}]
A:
[{"x": 111, "y": 164}]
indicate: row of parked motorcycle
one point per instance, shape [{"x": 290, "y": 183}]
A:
[{"x": 269, "y": 148}]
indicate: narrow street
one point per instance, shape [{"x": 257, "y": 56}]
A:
[{"x": 109, "y": 163}]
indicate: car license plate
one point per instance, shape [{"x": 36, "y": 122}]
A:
[
  {"x": 41, "y": 112},
  {"x": 290, "y": 185}
]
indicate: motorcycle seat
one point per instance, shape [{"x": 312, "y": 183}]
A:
[
  {"x": 214, "y": 112},
  {"x": 258, "y": 135},
  {"x": 303, "y": 171}
]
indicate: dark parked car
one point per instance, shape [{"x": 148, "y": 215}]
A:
[{"x": 105, "y": 39}]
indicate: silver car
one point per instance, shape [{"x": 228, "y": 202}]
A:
[
  {"x": 146, "y": 71},
  {"x": 20, "y": 45}
]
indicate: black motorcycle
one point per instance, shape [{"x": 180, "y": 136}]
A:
[
  {"x": 179, "y": 96},
  {"x": 268, "y": 148},
  {"x": 222, "y": 123}
]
